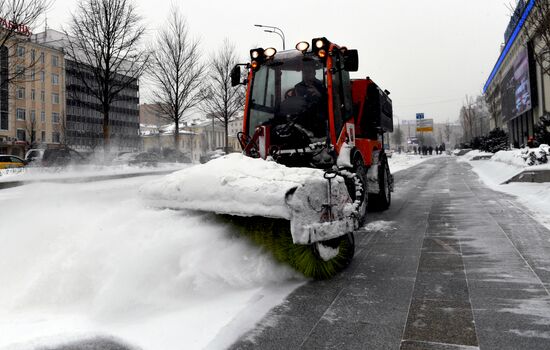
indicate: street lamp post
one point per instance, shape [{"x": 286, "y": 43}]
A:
[{"x": 272, "y": 29}]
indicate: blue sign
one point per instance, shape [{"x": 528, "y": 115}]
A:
[{"x": 419, "y": 115}]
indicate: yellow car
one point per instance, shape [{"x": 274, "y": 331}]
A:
[{"x": 9, "y": 161}]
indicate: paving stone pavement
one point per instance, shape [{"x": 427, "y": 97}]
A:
[{"x": 453, "y": 265}]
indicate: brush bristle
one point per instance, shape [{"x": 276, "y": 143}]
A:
[{"x": 274, "y": 236}]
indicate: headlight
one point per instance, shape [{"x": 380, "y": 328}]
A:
[
  {"x": 256, "y": 54},
  {"x": 270, "y": 52},
  {"x": 302, "y": 46}
]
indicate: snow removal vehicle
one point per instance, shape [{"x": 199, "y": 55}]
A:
[{"x": 312, "y": 159}]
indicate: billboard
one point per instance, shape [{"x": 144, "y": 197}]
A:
[
  {"x": 425, "y": 125},
  {"x": 516, "y": 88}
]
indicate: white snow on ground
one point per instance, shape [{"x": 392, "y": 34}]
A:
[
  {"x": 504, "y": 165},
  {"x": 380, "y": 225},
  {"x": 80, "y": 260},
  {"x": 403, "y": 161},
  {"x": 30, "y": 173}
]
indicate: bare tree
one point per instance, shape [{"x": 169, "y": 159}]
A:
[
  {"x": 447, "y": 130},
  {"x": 31, "y": 130},
  {"x": 176, "y": 71},
  {"x": 538, "y": 32},
  {"x": 468, "y": 117},
  {"x": 103, "y": 41},
  {"x": 16, "y": 19},
  {"x": 397, "y": 136},
  {"x": 220, "y": 100}
]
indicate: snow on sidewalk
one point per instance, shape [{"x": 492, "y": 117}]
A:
[{"x": 504, "y": 165}]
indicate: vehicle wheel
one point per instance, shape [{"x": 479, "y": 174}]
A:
[
  {"x": 361, "y": 173},
  {"x": 382, "y": 200}
]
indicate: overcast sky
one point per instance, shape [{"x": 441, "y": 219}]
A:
[{"x": 429, "y": 54}]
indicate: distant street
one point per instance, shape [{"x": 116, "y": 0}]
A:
[{"x": 452, "y": 265}]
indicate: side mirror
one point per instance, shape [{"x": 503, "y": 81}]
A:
[
  {"x": 236, "y": 76},
  {"x": 351, "y": 60}
]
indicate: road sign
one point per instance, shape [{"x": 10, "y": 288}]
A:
[
  {"x": 419, "y": 115},
  {"x": 425, "y": 125}
]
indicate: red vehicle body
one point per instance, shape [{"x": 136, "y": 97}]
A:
[{"x": 354, "y": 114}]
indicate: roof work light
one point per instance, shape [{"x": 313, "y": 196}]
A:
[
  {"x": 302, "y": 46},
  {"x": 270, "y": 52}
]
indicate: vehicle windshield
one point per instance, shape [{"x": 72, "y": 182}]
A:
[{"x": 291, "y": 88}]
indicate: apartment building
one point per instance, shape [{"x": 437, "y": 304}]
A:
[
  {"x": 32, "y": 108},
  {"x": 83, "y": 123}
]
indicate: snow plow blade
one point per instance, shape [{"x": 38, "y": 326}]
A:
[{"x": 286, "y": 210}]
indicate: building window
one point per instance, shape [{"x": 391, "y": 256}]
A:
[
  {"x": 33, "y": 116},
  {"x": 19, "y": 70},
  {"x": 33, "y": 74},
  {"x": 42, "y": 76},
  {"x": 42, "y": 58},
  {"x": 55, "y": 117},
  {"x": 42, "y": 116},
  {"x": 55, "y": 79},
  {"x": 42, "y": 96},
  {"x": 20, "y": 93},
  {"x": 20, "y": 113},
  {"x": 55, "y": 137},
  {"x": 21, "y": 51},
  {"x": 55, "y": 99},
  {"x": 55, "y": 61},
  {"x": 21, "y": 135},
  {"x": 43, "y": 136},
  {"x": 33, "y": 94},
  {"x": 33, "y": 55}
]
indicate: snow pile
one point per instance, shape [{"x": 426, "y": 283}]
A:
[
  {"x": 157, "y": 279},
  {"x": 521, "y": 158},
  {"x": 239, "y": 185}
]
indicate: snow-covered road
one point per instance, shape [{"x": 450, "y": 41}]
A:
[{"x": 85, "y": 260}]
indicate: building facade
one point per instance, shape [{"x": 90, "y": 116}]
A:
[
  {"x": 32, "y": 108},
  {"x": 195, "y": 139},
  {"x": 517, "y": 92},
  {"x": 83, "y": 120},
  {"x": 235, "y": 126}
]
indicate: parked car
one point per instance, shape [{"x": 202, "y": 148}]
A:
[
  {"x": 34, "y": 156},
  {"x": 61, "y": 157},
  {"x": 136, "y": 158},
  {"x": 8, "y": 161}
]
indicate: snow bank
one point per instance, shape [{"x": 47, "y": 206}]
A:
[
  {"x": 472, "y": 154},
  {"x": 238, "y": 185},
  {"x": 519, "y": 158}
]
